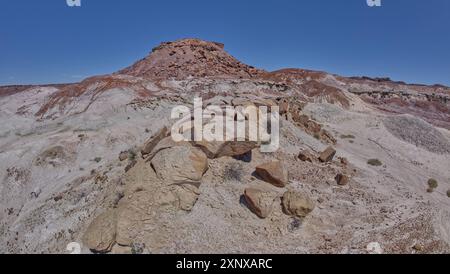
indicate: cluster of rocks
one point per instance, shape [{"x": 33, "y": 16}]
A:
[
  {"x": 261, "y": 201},
  {"x": 174, "y": 173},
  {"x": 169, "y": 174},
  {"x": 326, "y": 156},
  {"x": 291, "y": 109}
]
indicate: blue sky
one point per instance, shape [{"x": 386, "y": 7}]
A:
[{"x": 45, "y": 41}]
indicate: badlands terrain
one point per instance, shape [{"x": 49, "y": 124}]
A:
[{"x": 361, "y": 161}]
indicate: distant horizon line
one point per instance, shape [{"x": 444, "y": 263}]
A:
[{"x": 362, "y": 76}]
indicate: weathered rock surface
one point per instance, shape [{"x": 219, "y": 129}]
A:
[
  {"x": 297, "y": 204},
  {"x": 259, "y": 201},
  {"x": 180, "y": 165},
  {"x": 101, "y": 233},
  {"x": 342, "y": 179},
  {"x": 274, "y": 173},
  {"x": 327, "y": 155},
  {"x": 154, "y": 140},
  {"x": 307, "y": 156},
  {"x": 123, "y": 156},
  {"x": 216, "y": 150}
]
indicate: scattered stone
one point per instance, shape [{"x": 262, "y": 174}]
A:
[
  {"x": 274, "y": 173},
  {"x": 259, "y": 202},
  {"x": 123, "y": 156},
  {"x": 341, "y": 179},
  {"x": 297, "y": 204},
  {"x": 343, "y": 161},
  {"x": 154, "y": 140},
  {"x": 327, "y": 155},
  {"x": 418, "y": 247},
  {"x": 284, "y": 106},
  {"x": 101, "y": 233},
  {"x": 306, "y": 156}
]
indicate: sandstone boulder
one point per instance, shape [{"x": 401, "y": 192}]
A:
[
  {"x": 154, "y": 140},
  {"x": 216, "y": 150},
  {"x": 259, "y": 202},
  {"x": 274, "y": 173},
  {"x": 297, "y": 204},
  {"x": 327, "y": 155},
  {"x": 180, "y": 165},
  {"x": 101, "y": 233},
  {"x": 132, "y": 212}
]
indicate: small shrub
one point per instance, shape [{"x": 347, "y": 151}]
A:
[
  {"x": 137, "y": 248},
  {"x": 294, "y": 225},
  {"x": 349, "y": 136},
  {"x": 132, "y": 155},
  {"x": 448, "y": 193},
  {"x": 234, "y": 172},
  {"x": 98, "y": 159},
  {"x": 374, "y": 162},
  {"x": 432, "y": 183},
  {"x": 317, "y": 136}
]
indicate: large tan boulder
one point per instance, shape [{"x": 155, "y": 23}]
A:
[
  {"x": 216, "y": 150},
  {"x": 327, "y": 155},
  {"x": 154, "y": 140},
  {"x": 165, "y": 143},
  {"x": 297, "y": 204},
  {"x": 101, "y": 233},
  {"x": 259, "y": 202},
  {"x": 132, "y": 212},
  {"x": 274, "y": 173},
  {"x": 180, "y": 165}
]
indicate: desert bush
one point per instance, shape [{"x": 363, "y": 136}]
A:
[
  {"x": 349, "y": 136},
  {"x": 374, "y": 162},
  {"x": 432, "y": 183},
  {"x": 448, "y": 193},
  {"x": 132, "y": 154},
  {"x": 233, "y": 172}
]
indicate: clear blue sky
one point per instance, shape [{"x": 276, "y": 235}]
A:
[{"x": 45, "y": 41}]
